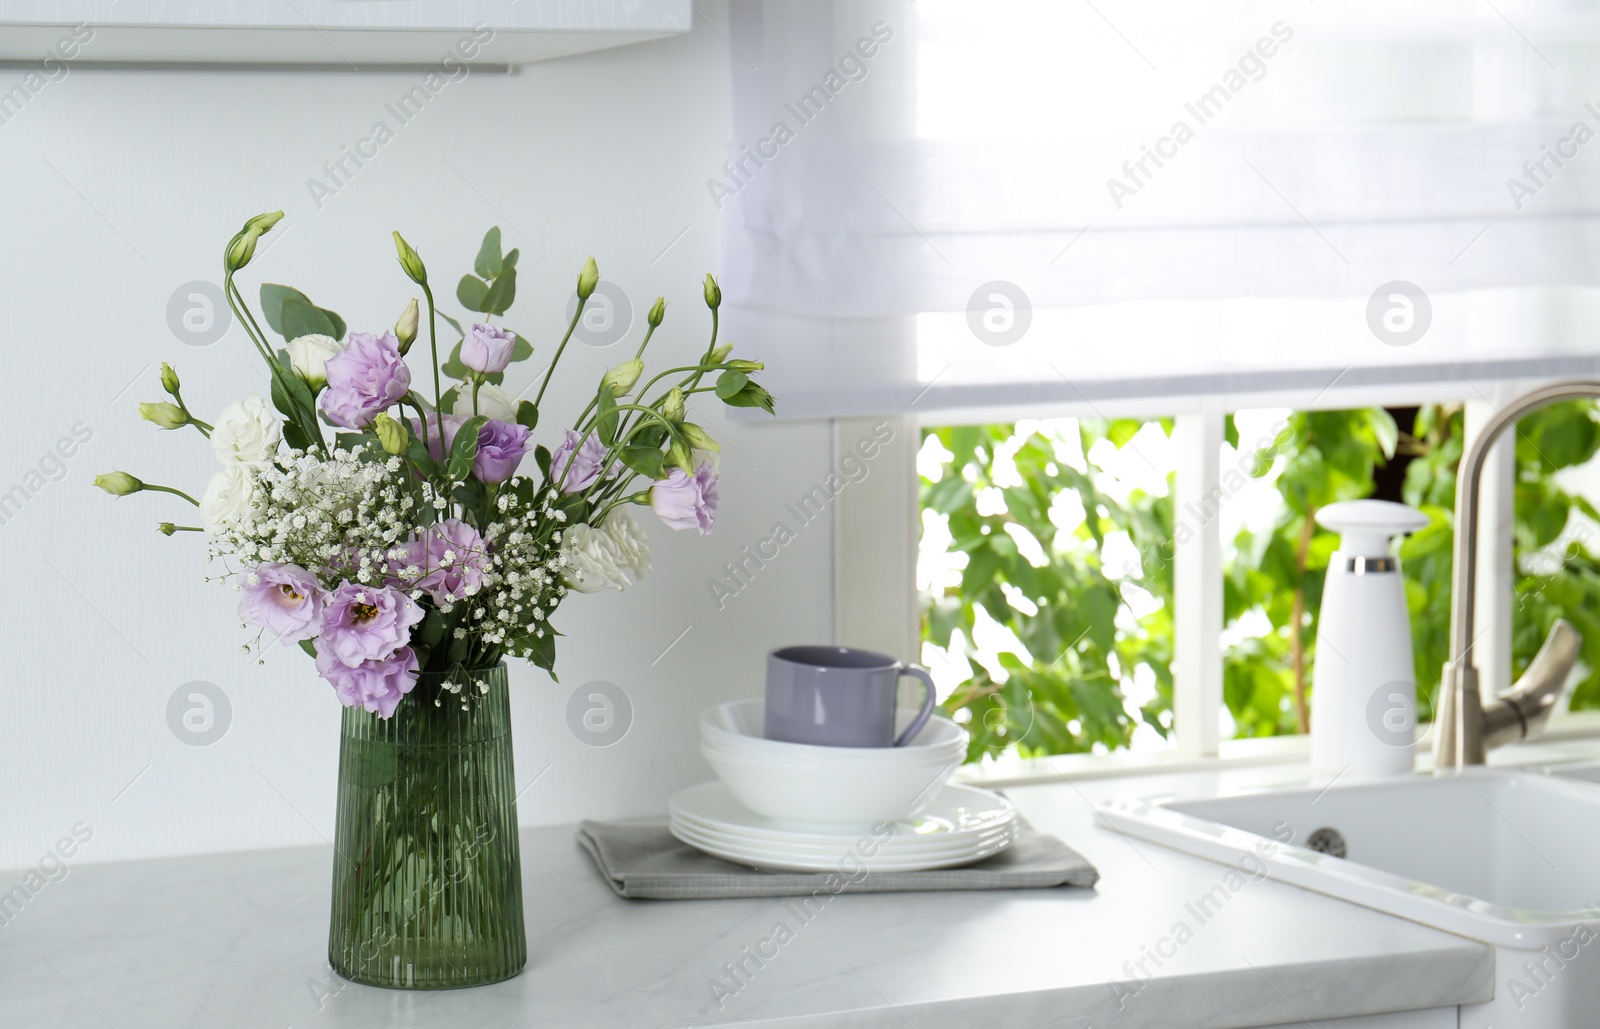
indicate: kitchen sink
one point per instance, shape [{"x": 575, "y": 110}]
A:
[{"x": 1506, "y": 857}]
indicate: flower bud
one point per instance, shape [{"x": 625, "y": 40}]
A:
[
  {"x": 166, "y": 528},
  {"x": 164, "y": 415},
  {"x": 713, "y": 293},
  {"x": 746, "y": 366},
  {"x": 169, "y": 379},
  {"x": 391, "y": 434},
  {"x": 658, "y": 312},
  {"x": 243, "y": 245},
  {"x": 405, "y": 330},
  {"x": 698, "y": 437},
  {"x": 308, "y": 357},
  {"x": 680, "y": 455},
  {"x": 672, "y": 405},
  {"x": 720, "y": 354},
  {"x": 261, "y": 224},
  {"x": 118, "y": 484},
  {"x": 587, "y": 278},
  {"x": 241, "y": 249},
  {"x": 621, "y": 378},
  {"x": 409, "y": 261}
]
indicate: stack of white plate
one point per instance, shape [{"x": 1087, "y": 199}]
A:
[{"x": 960, "y": 825}]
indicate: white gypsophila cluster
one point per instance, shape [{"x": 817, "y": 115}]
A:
[
  {"x": 340, "y": 518},
  {"x": 526, "y": 564}
]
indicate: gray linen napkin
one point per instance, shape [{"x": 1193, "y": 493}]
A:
[{"x": 645, "y": 861}]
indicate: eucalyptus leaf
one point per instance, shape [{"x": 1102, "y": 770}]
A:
[
  {"x": 300, "y": 318},
  {"x": 452, "y": 365},
  {"x": 489, "y": 262},
  {"x": 272, "y": 298},
  {"x": 471, "y": 291},
  {"x": 502, "y": 293}
]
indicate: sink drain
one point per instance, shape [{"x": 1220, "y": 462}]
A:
[{"x": 1327, "y": 841}]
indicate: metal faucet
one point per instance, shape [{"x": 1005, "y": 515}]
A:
[{"x": 1468, "y": 725}]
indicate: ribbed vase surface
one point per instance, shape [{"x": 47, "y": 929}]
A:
[{"x": 427, "y": 876}]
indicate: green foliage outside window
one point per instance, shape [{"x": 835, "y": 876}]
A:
[{"x": 1086, "y": 647}]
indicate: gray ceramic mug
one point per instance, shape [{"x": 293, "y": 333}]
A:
[{"x": 839, "y": 697}]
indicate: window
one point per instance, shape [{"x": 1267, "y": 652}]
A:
[{"x": 1045, "y": 564}]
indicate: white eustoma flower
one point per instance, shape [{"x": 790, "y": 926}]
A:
[
  {"x": 632, "y": 546},
  {"x": 247, "y": 432},
  {"x": 227, "y": 497},
  {"x": 493, "y": 402},
  {"x": 613, "y": 556},
  {"x": 308, "y": 356}
]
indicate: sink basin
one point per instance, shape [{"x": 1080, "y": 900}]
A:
[{"x": 1506, "y": 857}]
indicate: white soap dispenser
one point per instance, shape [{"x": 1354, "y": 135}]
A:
[{"x": 1363, "y": 689}]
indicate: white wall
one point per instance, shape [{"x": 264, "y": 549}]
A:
[{"x": 122, "y": 185}]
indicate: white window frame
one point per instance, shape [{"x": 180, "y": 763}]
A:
[{"x": 876, "y": 530}]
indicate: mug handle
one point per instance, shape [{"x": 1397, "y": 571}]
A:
[{"x": 917, "y": 671}]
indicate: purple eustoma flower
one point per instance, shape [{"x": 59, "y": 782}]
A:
[
  {"x": 365, "y": 379},
  {"x": 366, "y": 623},
  {"x": 440, "y": 437},
  {"x": 487, "y": 349},
  {"x": 687, "y": 501},
  {"x": 576, "y": 464},
  {"x": 449, "y": 559},
  {"x": 501, "y": 446},
  {"x": 283, "y": 599},
  {"x": 375, "y": 686}
]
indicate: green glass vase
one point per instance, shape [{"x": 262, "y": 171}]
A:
[{"x": 427, "y": 874}]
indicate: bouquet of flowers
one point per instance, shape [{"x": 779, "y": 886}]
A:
[{"x": 390, "y": 528}]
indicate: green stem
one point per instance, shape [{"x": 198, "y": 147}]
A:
[
  {"x": 560, "y": 350},
  {"x": 701, "y": 367},
  {"x": 307, "y": 420},
  {"x": 641, "y": 497},
  {"x": 203, "y": 427},
  {"x": 710, "y": 347},
  {"x": 433, "y": 348},
  {"x": 174, "y": 492},
  {"x": 187, "y": 528},
  {"x": 647, "y": 334}
]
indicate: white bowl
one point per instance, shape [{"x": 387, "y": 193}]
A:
[
  {"x": 837, "y": 787},
  {"x": 736, "y": 727},
  {"x": 828, "y": 795}
]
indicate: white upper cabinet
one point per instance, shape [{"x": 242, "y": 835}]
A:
[{"x": 335, "y": 33}]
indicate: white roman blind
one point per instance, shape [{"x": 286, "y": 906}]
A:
[{"x": 954, "y": 205}]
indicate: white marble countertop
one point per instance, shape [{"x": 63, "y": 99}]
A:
[{"x": 240, "y": 941}]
